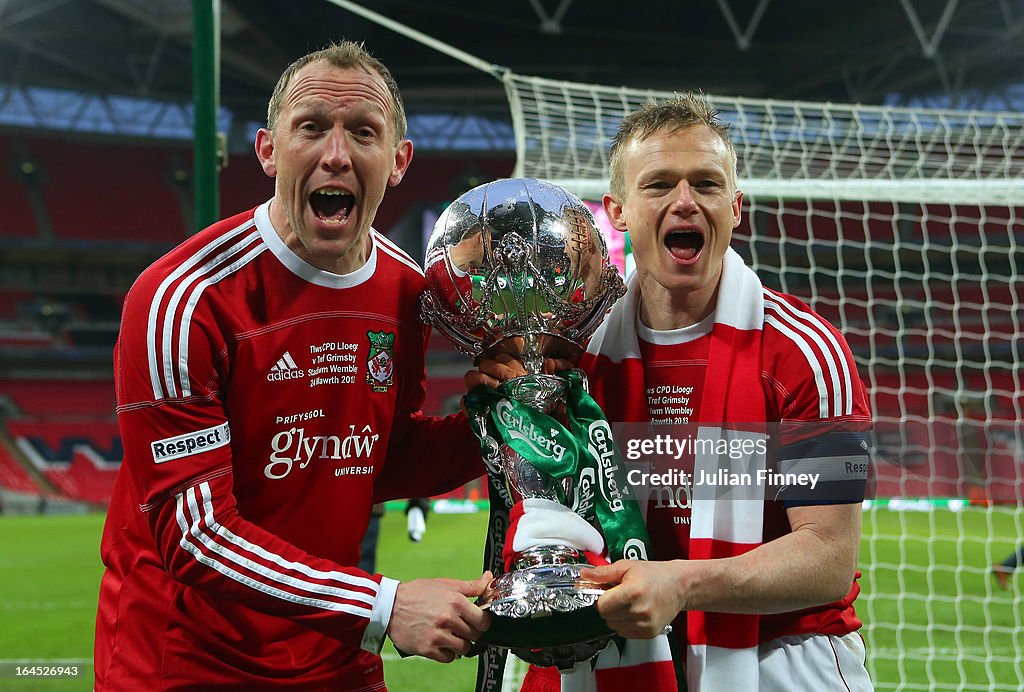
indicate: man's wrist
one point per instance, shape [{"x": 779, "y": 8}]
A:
[
  {"x": 380, "y": 616},
  {"x": 698, "y": 582}
]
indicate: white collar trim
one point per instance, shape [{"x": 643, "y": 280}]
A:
[
  {"x": 670, "y": 337},
  {"x": 304, "y": 270}
]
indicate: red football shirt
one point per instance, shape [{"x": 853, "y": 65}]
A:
[
  {"x": 264, "y": 406},
  {"x": 810, "y": 382}
]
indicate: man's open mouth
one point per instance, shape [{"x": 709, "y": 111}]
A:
[
  {"x": 332, "y": 205},
  {"x": 684, "y": 245}
]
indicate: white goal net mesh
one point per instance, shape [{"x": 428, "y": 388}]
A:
[{"x": 903, "y": 227}]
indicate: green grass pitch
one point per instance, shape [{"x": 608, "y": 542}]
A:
[{"x": 50, "y": 570}]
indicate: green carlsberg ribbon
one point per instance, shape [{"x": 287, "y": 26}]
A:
[{"x": 583, "y": 449}]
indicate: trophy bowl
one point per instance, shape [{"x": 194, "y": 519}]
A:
[{"x": 519, "y": 267}]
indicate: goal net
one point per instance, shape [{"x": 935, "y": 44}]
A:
[{"x": 903, "y": 228}]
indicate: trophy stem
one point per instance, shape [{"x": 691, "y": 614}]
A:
[{"x": 538, "y": 391}]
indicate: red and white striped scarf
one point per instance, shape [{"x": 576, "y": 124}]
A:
[{"x": 721, "y": 649}]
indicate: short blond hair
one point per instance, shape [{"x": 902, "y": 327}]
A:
[
  {"x": 682, "y": 111},
  {"x": 346, "y": 55}
]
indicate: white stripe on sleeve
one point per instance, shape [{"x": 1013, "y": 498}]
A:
[
  {"x": 154, "y": 307},
  {"x": 389, "y": 247},
  {"x": 218, "y": 557},
  {"x": 193, "y": 300},
  {"x": 814, "y": 327}
]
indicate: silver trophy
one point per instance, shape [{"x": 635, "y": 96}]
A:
[{"x": 518, "y": 267}]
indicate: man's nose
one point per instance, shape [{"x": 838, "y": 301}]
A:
[
  {"x": 336, "y": 153},
  {"x": 684, "y": 202}
]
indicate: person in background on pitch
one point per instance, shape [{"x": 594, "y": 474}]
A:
[
  {"x": 974, "y": 445},
  {"x": 760, "y": 594},
  {"x": 1005, "y": 569},
  {"x": 270, "y": 372},
  {"x": 368, "y": 546},
  {"x": 416, "y": 511}
]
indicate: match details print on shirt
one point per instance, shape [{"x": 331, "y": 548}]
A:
[
  {"x": 333, "y": 362},
  {"x": 670, "y": 404}
]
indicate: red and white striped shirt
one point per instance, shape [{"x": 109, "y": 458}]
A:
[
  {"x": 810, "y": 386},
  {"x": 264, "y": 406}
]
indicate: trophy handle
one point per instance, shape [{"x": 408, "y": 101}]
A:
[{"x": 493, "y": 458}]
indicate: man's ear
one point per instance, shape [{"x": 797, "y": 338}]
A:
[
  {"x": 737, "y": 205},
  {"x": 265, "y": 151},
  {"x": 613, "y": 208},
  {"x": 403, "y": 157}
]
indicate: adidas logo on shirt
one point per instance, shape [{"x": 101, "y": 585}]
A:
[{"x": 285, "y": 369}]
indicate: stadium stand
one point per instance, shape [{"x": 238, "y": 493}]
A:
[
  {"x": 243, "y": 184},
  {"x": 60, "y": 438},
  {"x": 434, "y": 180},
  {"x": 13, "y": 475},
  {"x": 160, "y": 176},
  {"x": 19, "y": 219},
  {"x": 131, "y": 196},
  {"x": 87, "y": 477},
  {"x": 55, "y": 442},
  {"x": 62, "y": 399}
]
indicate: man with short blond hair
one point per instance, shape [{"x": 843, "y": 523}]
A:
[{"x": 757, "y": 580}]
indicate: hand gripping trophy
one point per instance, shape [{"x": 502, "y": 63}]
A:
[{"x": 518, "y": 267}]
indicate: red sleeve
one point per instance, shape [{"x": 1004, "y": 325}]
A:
[
  {"x": 814, "y": 375},
  {"x": 206, "y": 544},
  {"x": 429, "y": 456},
  {"x": 176, "y": 437},
  {"x": 820, "y": 402}
]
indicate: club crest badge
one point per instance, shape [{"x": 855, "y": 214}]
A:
[{"x": 380, "y": 365}]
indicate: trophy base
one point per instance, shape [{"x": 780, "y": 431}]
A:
[{"x": 544, "y": 611}]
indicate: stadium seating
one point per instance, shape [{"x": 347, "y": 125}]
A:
[
  {"x": 66, "y": 429},
  {"x": 109, "y": 191},
  {"x": 136, "y": 191},
  {"x": 13, "y": 476},
  {"x": 139, "y": 193},
  {"x": 243, "y": 184},
  {"x": 87, "y": 477},
  {"x": 851, "y": 222},
  {"x": 431, "y": 180},
  {"x": 918, "y": 443},
  {"x": 18, "y": 219},
  {"x": 62, "y": 399},
  {"x": 106, "y": 193},
  {"x": 56, "y": 441},
  {"x": 79, "y": 458}
]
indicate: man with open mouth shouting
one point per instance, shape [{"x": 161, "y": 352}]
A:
[
  {"x": 270, "y": 372},
  {"x": 757, "y": 574},
  {"x": 756, "y": 531}
]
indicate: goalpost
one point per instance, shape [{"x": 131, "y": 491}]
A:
[{"x": 903, "y": 227}]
